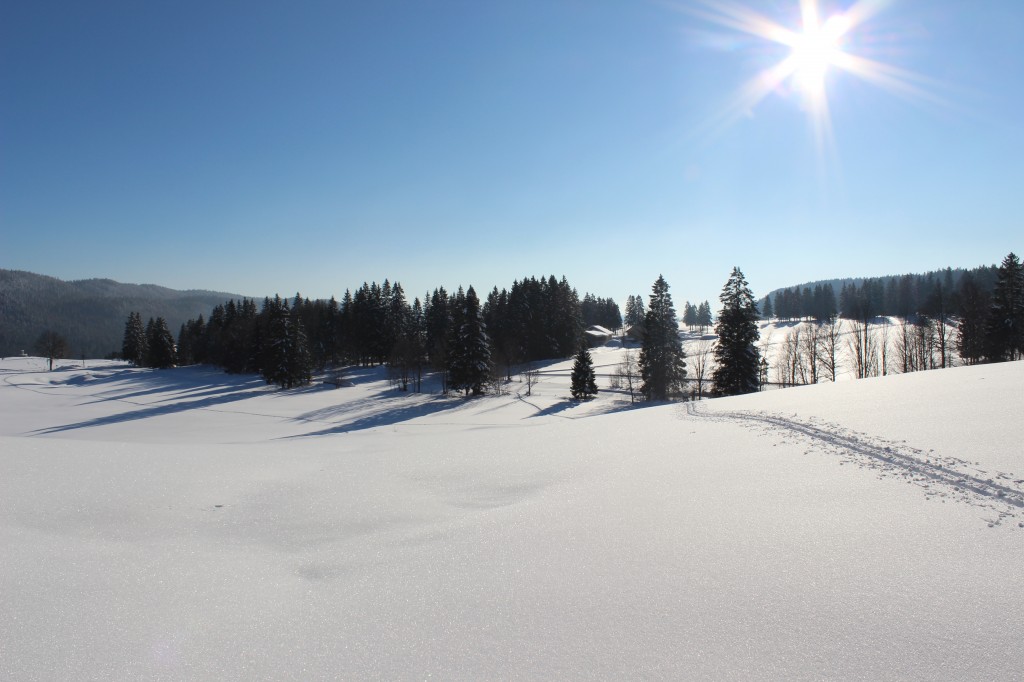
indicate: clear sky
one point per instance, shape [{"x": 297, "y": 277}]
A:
[{"x": 258, "y": 147}]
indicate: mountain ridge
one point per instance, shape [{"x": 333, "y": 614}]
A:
[{"x": 89, "y": 313}]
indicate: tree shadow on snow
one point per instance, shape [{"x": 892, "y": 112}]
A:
[
  {"x": 384, "y": 412},
  {"x": 230, "y": 389}
]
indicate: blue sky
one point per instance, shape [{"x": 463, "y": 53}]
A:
[{"x": 310, "y": 146}]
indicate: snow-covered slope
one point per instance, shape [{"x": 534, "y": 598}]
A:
[{"x": 190, "y": 525}]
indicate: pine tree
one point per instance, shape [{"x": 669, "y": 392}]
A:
[
  {"x": 767, "y": 312},
  {"x": 133, "y": 348},
  {"x": 584, "y": 379},
  {"x": 662, "y": 360},
  {"x": 1004, "y": 337},
  {"x": 737, "y": 358},
  {"x": 469, "y": 365}
]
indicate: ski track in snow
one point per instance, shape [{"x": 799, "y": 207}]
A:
[{"x": 1001, "y": 494}]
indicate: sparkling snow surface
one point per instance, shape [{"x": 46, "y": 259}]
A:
[{"x": 187, "y": 524}]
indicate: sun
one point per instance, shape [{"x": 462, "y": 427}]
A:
[{"x": 815, "y": 50}]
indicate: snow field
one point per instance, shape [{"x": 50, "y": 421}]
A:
[{"x": 187, "y": 524}]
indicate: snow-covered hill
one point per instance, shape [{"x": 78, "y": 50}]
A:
[{"x": 187, "y": 524}]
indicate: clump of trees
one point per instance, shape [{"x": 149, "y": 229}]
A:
[
  {"x": 470, "y": 343},
  {"x": 149, "y": 346},
  {"x": 601, "y": 311},
  {"x": 1004, "y": 329},
  {"x": 798, "y": 303},
  {"x": 697, "y": 316},
  {"x": 635, "y": 313}
]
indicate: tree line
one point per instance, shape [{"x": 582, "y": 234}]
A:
[
  {"x": 472, "y": 343},
  {"x": 456, "y": 333},
  {"x": 980, "y": 318}
]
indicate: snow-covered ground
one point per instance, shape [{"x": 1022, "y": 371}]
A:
[{"x": 186, "y": 524}]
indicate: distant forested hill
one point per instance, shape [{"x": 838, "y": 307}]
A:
[
  {"x": 893, "y": 295},
  {"x": 89, "y": 313}
]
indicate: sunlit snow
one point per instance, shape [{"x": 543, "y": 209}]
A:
[{"x": 188, "y": 524}]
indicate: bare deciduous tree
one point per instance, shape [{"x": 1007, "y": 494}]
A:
[
  {"x": 943, "y": 333},
  {"x": 810, "y": 345},
  {"x": 883, "y": 349},
  {"x": 628, "y": 372},
  {"x": 700, "y": 364},
  {"x": 51, "y": 346},
  {"x": 530, "y": 379},
  {"x": 905, "y": 347},
  {"x": 863, "y": 349},
  {"x": 789, "y": 363},
  {"x": 828, "y": 346}
]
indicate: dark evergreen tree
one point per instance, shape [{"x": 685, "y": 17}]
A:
[
  {"x": 439, "y": 333},
  {"x": 970, "y": 332},
  {"x": 501, "y": 329},
  {"x": 662, "y": 360},
  {"x": 299, "y": 359},
  {"x": 737, "y": 357},
  {"x": 160, "y": 350},
  {"x": 635, "y": 312},
  {"x": 133, "y": 348},
  {"x": 767, "y": 311},
  {"x": 416, "y": 335},
  {"x": 584, "y": 379},
  {"x": 827, "y": 308},
  {"x": 1004, "y": 337},
  {"x": 689, "y": 315},
  {"x": 598, "y": 311},
  {"x": 286, "y": 357},
  {"x": 469, "y": 366},
  {"x": 704, "y": 316},
  {"x": 192, "y": 342},
  {"x": 346, "y": 329}
]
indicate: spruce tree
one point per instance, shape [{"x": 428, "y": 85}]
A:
[
  {"x": 160, "y": 344},
  {"x": 470, "y": 358},
  {"x": 584, "y": 379},
  {"x": 274, "y": 366},
  {"x": 662, "y": 360},
  {"x": 737, "y": 357},
  {"x": 439, "y": 336},
  {"x": 704, "y": 316},
  {"x": 970, "y": 329},
  {"x": 133, "y": 348},
  {"x": 634, "y": 312},
  {"x": 690, "y": 315},
  {"x": 1004, "y": 337},
  {"x": 299, "y": 359}
]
